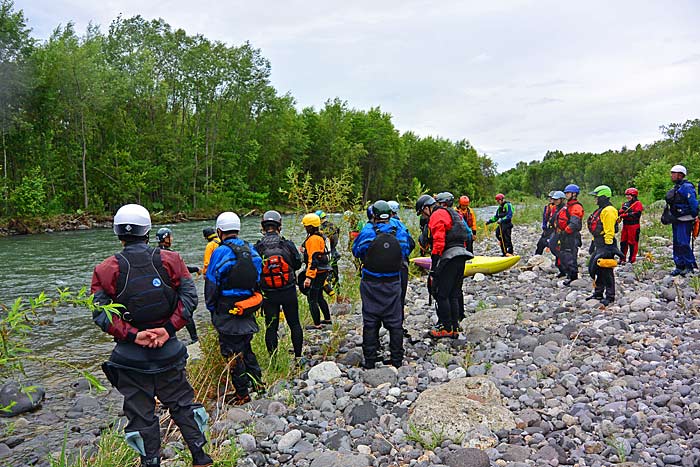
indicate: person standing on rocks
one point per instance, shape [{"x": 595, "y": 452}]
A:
[
  {"x": 569, "y": 224},
  {"x": 630, "y": 213},
  {"x": 382, "y": 247},
  {"x": 470, "y": 218},
  {"x": 148, "y": 361},
  {"x": 504, "y": 219},
  {"x": 164, "y": 236},
  {"x": 558, "y": 198},
  {"x": 602, "y": 225},
  {"x": 230, "y": 293},
  {"x": 447, "y": 233},
  {"x": 278, "y": 282},
  {"x": 547, "y": 229},
  {"x": 681, "y": 211},
  {"x": 317, "y": 260},
  {"x": 332, "y": 233}
]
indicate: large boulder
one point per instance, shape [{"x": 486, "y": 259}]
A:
[
  {"x": 16, "y": 399},
  {"x": 324, "y": 372},
  {"x": 489, "y": 318},
  {"x": 466, "y": 409}
]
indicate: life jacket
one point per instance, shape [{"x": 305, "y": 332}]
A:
[
  {"x": 632, "y": 217},
  {"x": 677, "y": 203},
  {"x": 320, "y": 259},
  {"x": 457, "y": 235},
  {"x": 565, "y": 208},
  {"x": 595, "y": 225},
  {"x": 384, "y": 253},
  {"x": 144, "y": 288},
  {"x": 240, "y": 275},
  {"x": 276, "y": 269}
]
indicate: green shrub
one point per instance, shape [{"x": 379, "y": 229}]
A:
[{"x": 28, "y": 199}]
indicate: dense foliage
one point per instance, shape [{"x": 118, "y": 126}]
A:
[
  {"x": 145, "y": 113},
  {"x": 644, "y": 167}
]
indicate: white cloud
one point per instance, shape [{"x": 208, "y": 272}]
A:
[{"x": 516, "y": 78}]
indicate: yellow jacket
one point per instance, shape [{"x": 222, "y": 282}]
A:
[
  {"x": 211, "y": 246},
  {"x": 608, "y": 216}
]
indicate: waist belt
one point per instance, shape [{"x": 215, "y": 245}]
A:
[{"x": 630, "y": 223}]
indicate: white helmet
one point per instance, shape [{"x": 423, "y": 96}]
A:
[
  {"x": 679, "y": 169},
  {"x": 228, "y": 221},
  {"x": 132, "y": 219}
]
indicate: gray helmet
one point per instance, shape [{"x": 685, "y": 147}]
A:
[
  {"x": 445, "y": 198},
  {"x": 557, "y": 195},
  {"x": 271, "y": 217},
  {"x": 423, "y": 201},
  {"x": 394, "y": 205},
  {"x": 163, "y": 233},
  {"x": 381, "y": 210}
]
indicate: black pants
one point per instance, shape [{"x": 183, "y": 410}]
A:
[
  {"x": 286, "y": 300},
  {"x": 448, "y": 283},
  {"x": 503, "y": 232},
  {"x": 245, "y": 370},
  {"x": 404, "y": 282},
  {"x": 317, "y": 303},
  {"x": 192, "y": 329},
  {"x": 543, "y": 242},
  {"x": 460, "y": 303},
  {"x": 568, "y": 256},
  {"x": 603, "y": 278},
  {"x": 470, "y": 244},
  {"x": 173, "y": 391},
  {"x": 381, "y": 306}
]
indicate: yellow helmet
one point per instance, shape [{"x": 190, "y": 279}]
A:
[{"x": 311, "y": 220}]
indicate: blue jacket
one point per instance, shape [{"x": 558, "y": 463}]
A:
[
  {"x": 214, "y": 273},
  {"x": 687, "y": 201},
  {"x": 367, "y": 235}
]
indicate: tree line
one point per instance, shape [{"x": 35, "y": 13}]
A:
[
  {"x": 147, "y": 113},
  {"x": 646, "y": 168}
]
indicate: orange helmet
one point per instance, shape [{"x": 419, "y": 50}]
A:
[
  {"x": 500, "y": 196},
  {"x": 464, "y": 200},
  {"x": 632, "y": 191}
]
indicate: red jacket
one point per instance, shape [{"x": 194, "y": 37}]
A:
[
  {"x": 104, "y": 283},
  {"x": 570, "y": 218},
  {"x": 440, "y": 223}
]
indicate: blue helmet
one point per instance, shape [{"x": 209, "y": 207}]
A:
[
  {"x": 394, "y": 205},
  {"x": 163, "y": 233},
  {"x": 571, "y": 188},
  {"x": 321, "y": 214}
]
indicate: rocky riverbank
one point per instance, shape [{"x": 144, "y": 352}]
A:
[{"x": 541, "y": 376}]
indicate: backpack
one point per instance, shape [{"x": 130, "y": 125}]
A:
[
  {"x": 384, "y": 253},
  {"x": 276, "y": 271},
  {"x": 242, "y": 274},
  {"x": 144, "y": 287}
]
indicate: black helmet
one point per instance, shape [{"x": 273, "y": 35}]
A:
[
  {"x": 209, "y": 233},
  {"x": 445, "y": 198},
  {"x": 163, "y": 233},
  {"x": 381, "y": 210},
  {"x": 423, "y": 201},
  {"x": 271, "y": 217}
]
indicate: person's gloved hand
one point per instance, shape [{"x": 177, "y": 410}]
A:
[
  {"x": 489, "y": 222},
  {"x": 435, "y": 259}
]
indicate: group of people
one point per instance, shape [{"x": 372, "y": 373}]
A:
[
  {"x": 157, "y": 295},
  {"x": 562, "y": 222}
]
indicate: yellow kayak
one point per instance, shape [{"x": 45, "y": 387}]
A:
[{"x": 482, "y": 264}]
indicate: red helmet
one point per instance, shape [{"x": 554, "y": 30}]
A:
[
  {"x": 500, "y": 196},
  {"x": 464, "y": 200},
  {"x": 632, "y": 191}
]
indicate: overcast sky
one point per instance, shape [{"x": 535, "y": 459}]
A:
[{"x": 515, "y": 78}]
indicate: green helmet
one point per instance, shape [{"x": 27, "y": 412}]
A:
[
  {"x": 602, "y": 190},
  {"x": 381, "y": 210}
]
